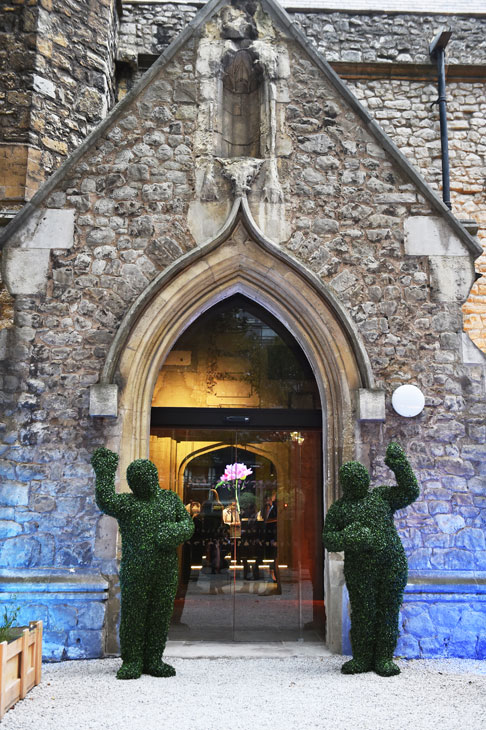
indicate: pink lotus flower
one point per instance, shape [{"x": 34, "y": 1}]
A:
[{"x": 235, "y": 472}]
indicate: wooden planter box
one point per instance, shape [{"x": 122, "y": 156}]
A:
[{"x": 20, "y": 665}]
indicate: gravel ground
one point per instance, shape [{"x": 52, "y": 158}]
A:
[{"x": 256, "y": 694}]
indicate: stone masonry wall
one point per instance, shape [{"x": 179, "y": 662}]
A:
[
  {"x": 339, "y": 36},
  {"x": 348, "y": 213},
  {"x": 131, "y": 195},
  {"x": 401, "y": 106},
  {"x": 58, "y": 84}
]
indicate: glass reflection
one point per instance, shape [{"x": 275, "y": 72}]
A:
[
  {"x": 236, "y": 355},
  {"x": 253, "y": 568}
]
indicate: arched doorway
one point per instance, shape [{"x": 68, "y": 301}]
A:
[
  {"x": 241, "y": 260},
  {"x": 236, "y": 388}
]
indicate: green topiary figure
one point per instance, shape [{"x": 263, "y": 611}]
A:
[
  {"x": 375, "y": 564},
  {"x": 153, "y": 522}
]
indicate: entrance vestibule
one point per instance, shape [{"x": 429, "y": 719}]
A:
[{"x": 237, "y": 388}]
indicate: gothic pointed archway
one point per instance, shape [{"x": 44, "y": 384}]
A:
[{"x": 242, "y": 261}]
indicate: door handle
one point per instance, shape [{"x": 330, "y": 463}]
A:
[{"x": 237, "y": 419}]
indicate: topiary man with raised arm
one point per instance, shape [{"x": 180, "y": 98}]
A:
[
  {"x": 153, "y": 522},
  {"x": 375, "y": 565}
]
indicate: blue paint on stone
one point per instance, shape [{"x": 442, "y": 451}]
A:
[
  {"x": 439, "y": 507},
  {"x": 9, "y": 528},
  {"x": 481, "y": 646},
  {"x": 480, "y": 558},
  {"x": 430, "y": 648},
  {"x": 419, "y": 559},
  {"x": 91, "y": 616},
  {"x": 450, "y": 523},
  {"x": 471, "y": 538},
  {"x": 407, "y": 646},
  {"x": 21, "y": 551},
  {"x": 462, "y": 643},
  {"x": 62, "y": 617},
  {"x": 53, "y": 645},
  {"x": 84, "y": 644},
  {"x": 27, "y": 472},
  {"x": 7, "y": 470},
  {"x": 14, "y": 494}
]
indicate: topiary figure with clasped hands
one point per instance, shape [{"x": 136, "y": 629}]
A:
[
  {"x": 375, "y": 564},
  {"x": 153, "y": 522}
]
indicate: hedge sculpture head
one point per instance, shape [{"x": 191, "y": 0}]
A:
[
  {"x": 354, "y": 480},
  {"x": 143, "y": 478}
]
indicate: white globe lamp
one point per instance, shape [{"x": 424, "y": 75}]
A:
[{"x": 408, "y": 401}]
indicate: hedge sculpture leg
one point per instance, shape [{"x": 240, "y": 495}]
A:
[
  {"x": 362, "y": 597},
  {"x": 134, "y": 605},
  {"x": 390, "y": 597},
  {"x": 160, "y": 607}
]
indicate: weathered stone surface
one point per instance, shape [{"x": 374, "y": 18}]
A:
[
  {"x": 103, "y": 401},
  {"x": 371, "y": 405},
  {"x": 430, "y": 236},
  {"x": 25, "y": 272}
]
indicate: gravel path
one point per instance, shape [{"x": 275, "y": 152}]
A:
[{"x": 292, "y": 693}]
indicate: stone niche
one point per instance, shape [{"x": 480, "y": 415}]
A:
[
  {"x": 242, "y": 84},
  {"x": 242, "y": 76}
]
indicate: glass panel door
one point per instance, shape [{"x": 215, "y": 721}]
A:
[{"x": 253, "y": 570}]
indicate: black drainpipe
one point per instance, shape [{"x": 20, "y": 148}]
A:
[{"x": 437, "y": 53}]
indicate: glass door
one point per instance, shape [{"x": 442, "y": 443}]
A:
[{"x": 253, "y": 570}]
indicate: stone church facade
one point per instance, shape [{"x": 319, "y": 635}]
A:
[{"x": 241, "y": 164}]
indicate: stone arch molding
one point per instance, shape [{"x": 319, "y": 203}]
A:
[{"x": 239, "y": 259}]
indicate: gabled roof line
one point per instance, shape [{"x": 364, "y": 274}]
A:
[
  {"x": 199, "y": 19},
  {"x": 48, "y": 186},
  {"x": 375, "y": 130}
]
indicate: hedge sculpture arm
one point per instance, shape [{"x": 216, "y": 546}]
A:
[
  {"x": 407, "y": 489},
  {"x": 172, "y": 534},
  {"x": 353, "y": 537},
  {"x": 105, "y": 463},
  {"x": 332, "y": 535}
]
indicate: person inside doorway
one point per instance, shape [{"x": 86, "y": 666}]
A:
[
  {"x": 268, "y": 516},
  {"x": 231, "y": 518},
  {"x": 212, "y": 530}
]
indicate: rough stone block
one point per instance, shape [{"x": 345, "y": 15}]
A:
[
  {"x": 103, "y": 400},
  {"x": 25, "y": 272},
  {"x": 53, "y": 646},
  {"x": 371, "y": 405},
  {"x": 44, "y": 86},
  {"x": 13, "y": 495},
  {"x": 62, "y": 618},
  {"x": 84, "y": 645},
  {"x": 47, "y": 228},
  {"x": 450, "y": 523},
  {"x": 19, "y": 552},
  {"x": 451, "y": 277},
  {"x": 471, "y": 355},
  {"x": 91, "y": 615},
  {"x": 9, "y": 528},
  {"x": 431, "y": 236}
]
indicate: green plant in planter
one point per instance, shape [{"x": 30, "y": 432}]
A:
[
  {"x": 375, "y": 564},
  {"x": 9, "y": 618},
  {"x": 153, "y": 522}
]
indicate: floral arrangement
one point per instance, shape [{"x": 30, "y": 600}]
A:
[{"x": 234, "y": 476}]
